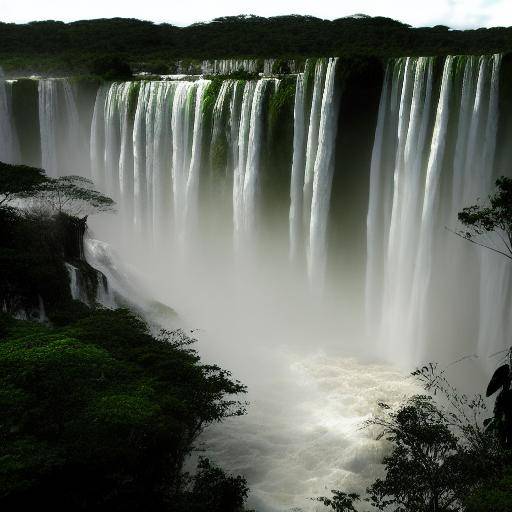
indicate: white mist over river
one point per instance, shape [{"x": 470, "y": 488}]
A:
[{"x": 302, "y": 434}]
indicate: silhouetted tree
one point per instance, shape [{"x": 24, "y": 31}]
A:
[
  {"x": 490, "y": 226},
  {"x": 18, "y": 182}
]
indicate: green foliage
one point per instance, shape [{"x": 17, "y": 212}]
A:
[
  {"x": 424, "y": 463},
  {"x": 340, "y": 501},
  {"x": 133, "y": 97},
  {"x": 212, "y": 490},
  {"x": 282, "y": 101},
  {"x": 91, "y": 45},
  {"x": 96, "y": 413},
  {"x": 495, "y": 496},
  {"x": 219, "y": 153},
  {"x": 281, "y": 67},
  {"x": 18, "y": 182},
  {"x": 480, "y": 221},
  {"x": 111, "y": 67},
  {"x": 210, "y": 96},
  {"x": 103, "y": 401}
]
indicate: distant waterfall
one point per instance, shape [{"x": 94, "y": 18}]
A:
[
  {"x": 252, "y": 66},
  {"x": 48, "y": 123},
  {"x": 229, "y": 66},
  {"x": 62, "y": 143},
  {"x": 9, "y": 147},
  {"x": 418, "y": 184}
]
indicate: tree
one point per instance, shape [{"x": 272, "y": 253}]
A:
[
  {"x": 18, "y": 182},
  {"x": 482, "y": 222},
  {"x": 212, "y": 490},
  {"x": 72, "y": 195}
]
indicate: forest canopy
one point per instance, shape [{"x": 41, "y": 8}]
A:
[{"x": 54, "y": 45}]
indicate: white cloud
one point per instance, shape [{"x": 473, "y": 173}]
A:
[{"x": 455, "y": 13}]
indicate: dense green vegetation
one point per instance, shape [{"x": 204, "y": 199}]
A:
[
  {"x": 97, "y": 412},
  {"x": 53, "y": 46}
]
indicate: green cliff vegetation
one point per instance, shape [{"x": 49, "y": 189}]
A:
[
  {"x": 97, "y": 412},
  {"x": 85, "y": 46}
]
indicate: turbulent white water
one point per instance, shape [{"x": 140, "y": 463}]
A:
[
  {"x": 231, "y": 220},
  {"x": 9, "y": 148}
]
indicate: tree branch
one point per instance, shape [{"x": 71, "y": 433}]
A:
[{"x": 509, "y": 256}]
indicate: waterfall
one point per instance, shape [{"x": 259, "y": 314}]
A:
[
  {"x": 196, "y": 165},
  {"x": 323, "y": 174},
  {"x": 412, "y": 261},
  {"x": 9, "y": 147},
  {"x": 97, "y": 149},
  {"x": 229, "y": 66},
  {"x": 48, "y": 120},
  {"x": 312, "y": 170},
  {"x": 251, "y": 175},
  {"x": 74, "y": 286},
  {"x": 239, "y": 171},
  {"x": 62, "y": 144},
  {"x": 297, "y": 177}
]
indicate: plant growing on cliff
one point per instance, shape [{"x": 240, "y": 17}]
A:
[{"x": 72, "y": 195}]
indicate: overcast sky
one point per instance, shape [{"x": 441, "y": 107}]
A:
[{"x": 454, "y": 13}]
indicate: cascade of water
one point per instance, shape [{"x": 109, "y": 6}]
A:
[
  {"x": 467, "y": 101},
  {"x": 251, "y": 175},
  {"x": 97, "y": 145},
  {"x": 162, "y": 158},
  {"x": 48, "y": 119},
  {"x": 495, "y": 274},
  {"x": 312, "y": 168},
  {"x": 62, "y": 145},
  {"x": 9, "y": 147},
  {"x": 228, "y": 66},
  {"x": 423, "y": 269},
  {"x": 426, "y": 171},
  {"x": 408, "y": 186},
  {"x": 323, "y": 174},
  {"x": 234, "y": 121},
  {"x": 297, "y": 177},
  {"x": 73, "y": 282},
  {"x": 374, "y": 239},
  {"x": 312, "y": 142},
  {"x": 192, "y": 185},
  {"x": 105, "y": 295},
  {"x": 239, "y": 172}
]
